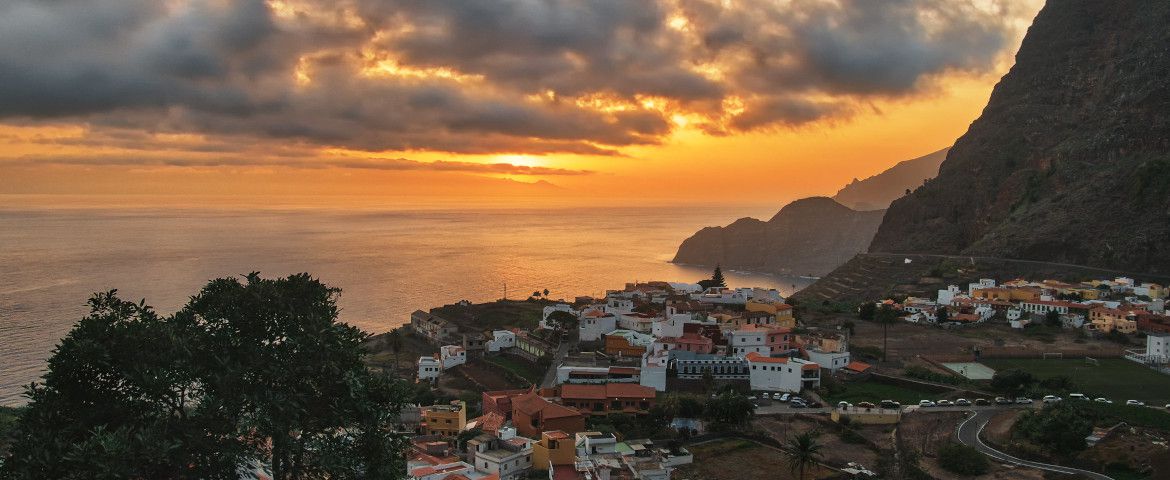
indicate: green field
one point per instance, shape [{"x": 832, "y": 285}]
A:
[
  {"x": 871, "y": 391},
  {"x": 1116, "y": 379}
]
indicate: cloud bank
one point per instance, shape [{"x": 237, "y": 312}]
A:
[{"x": 516, "y": 76}]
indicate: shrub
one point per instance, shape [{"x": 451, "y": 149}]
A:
[{"x": 963, "y": 460}]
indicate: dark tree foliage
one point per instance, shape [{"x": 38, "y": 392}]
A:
[
  {"x": 963, "y": 460},
  {"x": 562, "y": 320},
  {"x": 247, "y": 374},
  {"x": 943, "y": 315},
  {"x": 804, "y": 451},
  {"x": 1052, "y": 318},
  {"x": 1012, "y": 382},
  {"x": 866, "y": 311},
  {"x": 1058, "y": 428},
  {"x": 729, "y": 408}
]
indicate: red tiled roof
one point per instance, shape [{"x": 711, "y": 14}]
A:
[
  {"x": 856, "y": 366},
  {"x": 490, "y": 422},
  {"x": 532, "y": 404},
  {"x": 756, "y": 357},
  {"x": 623, "y": 370},
  {"x": 604, "y": 391}
]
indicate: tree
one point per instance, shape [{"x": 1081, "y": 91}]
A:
[
  {"x": 885, "y": 316},
  {"x": 562, "y": 320},
  {"x": 707, "y": 380},
  {"x": 805, "y": 451},
  {"x": 849, "y": 326},
  {"x": 717, "y": 277},
  {"x": 394, "y": 341},
  {"x": 545, "y": 292},
  {"x": 963, "y": 460},
  {"x": 536, "y": 294},
  {"x": 1052, "y": 318},
  {"x": 1012, "y": 382},
  {"x": 866, "y": 311},
  {"x": 1059, "y": 428},
  {"x": 247, "y": 373},
  {"x": 729, "y": 408},
  {"x": 942, "y": 315}
]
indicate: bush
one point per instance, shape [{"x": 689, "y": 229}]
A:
[
  {"x": 1058, "y": 428},
  {"x": 963, "y": 460},
  {"x": 923, "y": 373}
]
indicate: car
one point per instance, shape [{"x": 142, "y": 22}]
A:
[
  {"x": 963, "y": 402},
  {"x": 1024, "y": 401},
  {"x": 925, "y": 403},
  {"x": 1102, "y": 400},
  {"x": 796, "y": 404},
  {"x": 785, "y": 397},
  {"x": 752, "y": 397},
  {"x": 1135, "y": 403},
  {"x": 1051, "y": 399},
  {"x": 982, "y": 402},
  {"x": 1003, "y": 401},
  {"x": 944, "y": 403},
  {"x": 844, "y": 405},
  {"x": 890, "y": 404},
  {"x": 1168, "y": 406},
  {"x": 1077, "y": 396},
  {"x": 866, "y": 405}
]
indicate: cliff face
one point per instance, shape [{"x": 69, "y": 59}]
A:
[
  {"x": 1070, "y": 160},
  {"x": 808, "y": 236},
  {"x": 876, "y": 192}
]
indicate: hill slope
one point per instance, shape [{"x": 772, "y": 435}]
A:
[
  {"x": 808, "y": 236},
  {"x": 1068, "y": 162},
  {"x": 876, "y": 192}
]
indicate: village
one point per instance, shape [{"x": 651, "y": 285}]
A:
[{"x": 646, "y": 381}]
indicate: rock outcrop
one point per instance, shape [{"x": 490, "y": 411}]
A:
[
  {"x": 810, "y": 236},
  {"x": 1070, "y": 160},
  {"x": 876, "y": 192}
]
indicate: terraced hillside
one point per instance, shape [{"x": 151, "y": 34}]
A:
[{"x": 873, "y": 276}]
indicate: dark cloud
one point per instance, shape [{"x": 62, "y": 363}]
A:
[{"x": 473, "y": 77}]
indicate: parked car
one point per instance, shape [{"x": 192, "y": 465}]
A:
[
  {"x": 1027, "y": 401},
  {"x": 866, "y": 405},
  {"x": 944, "y": 403},
  {"x": 1003, "y": 401},
  {"x": 890, "y": 404},
  {"x": 785, "y": 397},
  {"x": 1077, "y": 396},
  {"x": 844, "y": 405},
  {"x": 963, "y": 402},
  {"x": 1135, "y": 403},
  {"x": 1102, "y": 400},
  {"x": 925, "y": 403},
  {"x": 752, "y": 397},
  {"x": 1051, "y": 399},
  {"x": 982, "y": 402},
  {"x": 796, "y": 404}
]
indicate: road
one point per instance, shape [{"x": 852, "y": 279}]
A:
[
  {"x": 970, "y": 430},
  {"x": 550, "y": 377}
]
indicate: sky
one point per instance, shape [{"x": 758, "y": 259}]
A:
[{"x": 682, "y": 100}]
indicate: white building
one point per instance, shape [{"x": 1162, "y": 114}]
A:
[
  {"x": 782, "y": 374},
  {"x": 654, "y": 365},
  {"x": 672, "y": 325},
  {"x": 1158, "y": 347},
  {"x": 548, "y": 310},
  {"x": 638, "y": 322},
  {"x": 831, "y": 360},
  {"x": 507, "y": 455},
  {"x": 501, "y": 339},
  {"x": 617, "y": 305},
  {"x": 738, "y": 296},
  {"x": 452, "y": 355},
  {"x": 748, "y": 340},
  {"x": 945, "y": 297},
  {"x": 594, "y": 323},
  {"x": 428, "y": 368},
  {"x": 982, "y": 283}
]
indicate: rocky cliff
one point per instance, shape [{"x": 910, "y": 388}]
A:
[
  {"x": 876, "y": 192},
  {"x": 808, "y": 236},
  {"x": 1070, "y": 160}
]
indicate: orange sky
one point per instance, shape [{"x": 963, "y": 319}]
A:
[{"x": 744, "y": 126}]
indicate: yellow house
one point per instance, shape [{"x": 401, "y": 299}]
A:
[
  {"x": 445, "y": 420},
  {"x": 554, "y": 448},
  {"x": 1108, "y": 319}
]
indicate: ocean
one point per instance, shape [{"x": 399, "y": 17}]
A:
[{"x": 389, "y": 257}]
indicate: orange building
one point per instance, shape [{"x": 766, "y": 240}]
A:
[
  {"x": 533, "y": 415},
  {"x": 554, "y": 448},
  {"x": 626, "y": 343},
  {"x": 603, "y": 399}
]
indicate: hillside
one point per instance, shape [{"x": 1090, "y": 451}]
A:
[
  {"x": 1068, "y": 161},
  {"x": 808, "y": 236},
  {"x": 876, "y": 192}
]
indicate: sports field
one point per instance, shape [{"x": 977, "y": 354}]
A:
[{"x": 1115, "y": 378}]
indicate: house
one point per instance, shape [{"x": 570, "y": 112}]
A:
[
  {"x": 445, "y": 420},
  {"x": 1105, "y": 320},
  {"x": 638, "y": 322},
  {"x": 1157, "y": 352},
  {"x": 1153, "y": 322},
  {"x": 474, "y": 343},
  {"x": 627, "y": 343},
  {"x": 533, "y": 414},
  {"x": 432, "y": 327},
  {"x": 452, "y": 355},
  {"x": 555, "y": 448},
  {"x": 672, "y": 324},
  {"x": 500, "y": 401},
  {"x": 598, "y": 375},
  {"x": 608, "y": 398},
  {"x": 500, "y": 340},
  {"x": 781, "y": 374},
  {"x": 595, "y": 322},
  {"x": 490, "y": 422},
  {"x": 856, "y": 368},
  {"x": 692, "y": 366},
  {"x": 690, "y": 342},
  {"x": 755, "y": 338},
  {"x": 533, "y": 346},
  {"x": 429, "y": 368},
  {"x": 829, "y": 350},
  {"x": 506, "y": 454},
  {"x": 653, "y": 372}
]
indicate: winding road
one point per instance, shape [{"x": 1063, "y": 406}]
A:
[{"x": 968, "y": 434}]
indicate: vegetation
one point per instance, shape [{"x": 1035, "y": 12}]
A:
[
  {"x": 562, "y": 320},
  {"x": 1057, "y": 428},
  {"x": 247, "y": 373},
  {"x": 728, "y": 409},
  {"x": 1115, "y": 378},
  {"x": 716, "y": 279},
  {"x": 923, "y": 373},
  {"x": 963, "y": 460},
  {"x": 805, "y": 452},
  {"x": 631, "y": 426},
  {"x": 1012, "y": 383},
  {"x": 885, "y": 316},
  {"x": 527, "y": 371}
]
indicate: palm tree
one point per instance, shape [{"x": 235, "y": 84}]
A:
[
  {"x": 805, "y": 452},
  {"x": 395, "y": 342},
  {"x": 885, "y": 316}
]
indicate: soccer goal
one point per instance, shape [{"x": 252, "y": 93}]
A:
[
  {"x": 1092, "y": 361},
  {"x": 1056, "y": 355}
]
